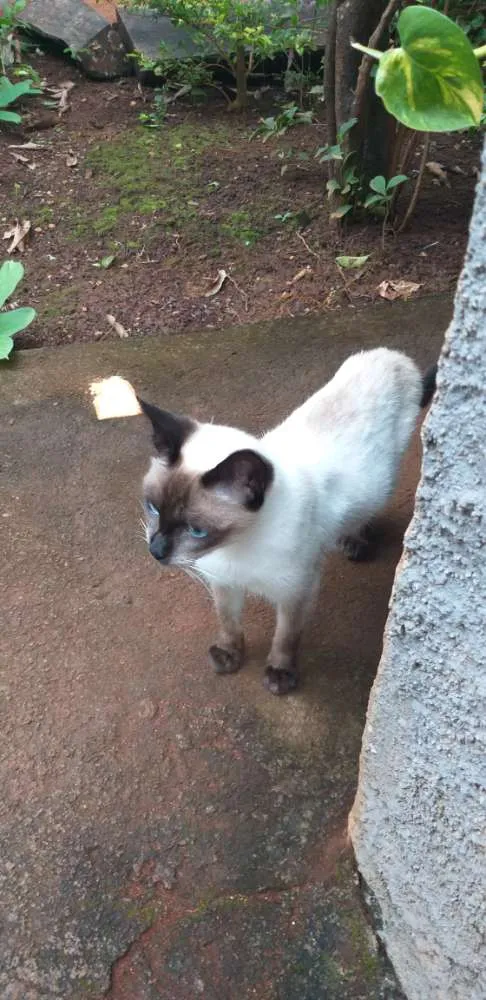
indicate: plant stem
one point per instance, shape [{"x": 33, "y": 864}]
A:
[
  {"x": 418, "y": 183},
  {"x": 480, "y": 53},
  {"x": 241, "y": 75},
  {"x": 330, "y": 82},
  {"x": 367, "y": 61}
]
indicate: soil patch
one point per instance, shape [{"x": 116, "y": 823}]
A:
[{"x": 174, "y": 204}]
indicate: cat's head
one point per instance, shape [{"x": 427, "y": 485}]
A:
[{"x": 204, "y": 488}]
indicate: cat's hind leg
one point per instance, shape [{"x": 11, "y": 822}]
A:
[
  {"x": 359, "y": 545},
  {"x": 228, "y": 653}
]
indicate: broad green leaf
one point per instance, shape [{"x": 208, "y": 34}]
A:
[
  {"x": 332, "y": 186},
  {"x": 10, "y": 116},
  {"x": 373, "y": 199},
  {"x": 10, "y": 92},
  {"x": 341, "y": 212},
  {"x": 378, "y": 184},
  {"x": 106, "y": 262},
  {"x": 395, "y": 181},
  {"x": 349, "y": 262},
  {"x": 16, "y": 320},
  {"x": 433, "y": 82},
  {"x": 345, "y": 128},
  {"x": 6, "y": 345},
  {"x": 11, "y": 272}
]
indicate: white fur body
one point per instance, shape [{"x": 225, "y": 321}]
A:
[{"x": 335, "y": 459}]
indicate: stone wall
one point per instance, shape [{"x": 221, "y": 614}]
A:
[{"x": 418, "y": 824}]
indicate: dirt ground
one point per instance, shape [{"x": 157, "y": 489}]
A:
[{"x": 175, "y": 204}]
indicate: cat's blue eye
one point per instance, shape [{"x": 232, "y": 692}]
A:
[
  {"x": 151, "y": 509},
  {"x": 197, "y": 532}
]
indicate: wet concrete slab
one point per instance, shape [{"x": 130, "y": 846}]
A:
[{"x": 165, "y": 832}]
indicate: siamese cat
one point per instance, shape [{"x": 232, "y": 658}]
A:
[{"x": 257, "y": 514}]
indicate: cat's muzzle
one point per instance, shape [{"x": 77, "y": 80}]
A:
[{"x": 159, "y": 547}]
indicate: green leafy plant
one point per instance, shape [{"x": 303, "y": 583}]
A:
[
  {"x": 14, "y": 320},
  {"x": 433, "y": 82},
  {"x": 181, "y": 77},
  {"x": 9, "y": 18},
  {"x": 346, "y": 184},
  {"x": 74, "y": 53},
  {"x": 336, "y": 151},
  {"x": 273, "y": 127},
  {"x": 156, "y": 117},
  {"x": 237, "y": 34},
  {"x": 383, "y": 191},
  {"x": 346, "y": 187},
  {"x": 9, "y": 93}
]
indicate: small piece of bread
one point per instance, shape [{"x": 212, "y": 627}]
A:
[{"x": 114, "y": 397}]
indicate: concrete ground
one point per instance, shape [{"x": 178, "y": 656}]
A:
[{"x": 166, "y": 832}]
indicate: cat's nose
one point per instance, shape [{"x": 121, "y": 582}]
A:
[{"x": 158, "y": 546}]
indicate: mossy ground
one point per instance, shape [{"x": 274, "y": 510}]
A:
[{"x": 165, "y": 181}]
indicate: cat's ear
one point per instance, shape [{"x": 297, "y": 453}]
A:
[
  {"x": 242, "y": 478},
  {"x": 168, "y": 430}
]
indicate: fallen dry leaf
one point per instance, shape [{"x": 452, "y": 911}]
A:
[
  {"x": 392, "y": 290},
  {"x": 17, "y": 235},
  {"x": 437, "y": 170},
  {"x": 28, "y": 145},
  {"x": 71, "y": 159},
  {"x": 305, "y": 272},
  {"x": 217, "y": 285},
  {"x": 24, "y": 160},
  {"x": 118, "y": 328},
  {"x": 61, "y": 95}
]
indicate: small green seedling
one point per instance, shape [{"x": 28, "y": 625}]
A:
[
  {"x": 14, "y": 320},
  {"x": 382, "y": 191},
  {"x": 156, "y": 117},
  {"x": 335, "y": 152},
  {"x": 347, "y": 188},
  {"x": 272, "y": 128}
]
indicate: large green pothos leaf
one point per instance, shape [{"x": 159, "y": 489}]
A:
[{"x": 433, "y": 82}]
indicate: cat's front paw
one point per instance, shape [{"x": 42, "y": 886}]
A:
[
  {"x": 226, "y": 659},
  {"x": 280, "y": 681}
]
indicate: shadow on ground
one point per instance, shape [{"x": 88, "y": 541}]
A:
[{"x": 166, "y": 832}]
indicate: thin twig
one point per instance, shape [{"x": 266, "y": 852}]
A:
[
  {"x": 418, "y": 183},
  {"x": 240, "y": 290},
  {"x": 307, "y": 247},
  {"x": 368, "y": 61}
]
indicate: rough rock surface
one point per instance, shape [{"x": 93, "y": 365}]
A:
[
  {"x": 418, "y": 824},
  {"x": 145, "y": 32},
  {"x": 95, "y": 41}
]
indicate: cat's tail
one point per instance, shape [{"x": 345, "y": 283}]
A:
[{"x": 428, "y": 385}]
